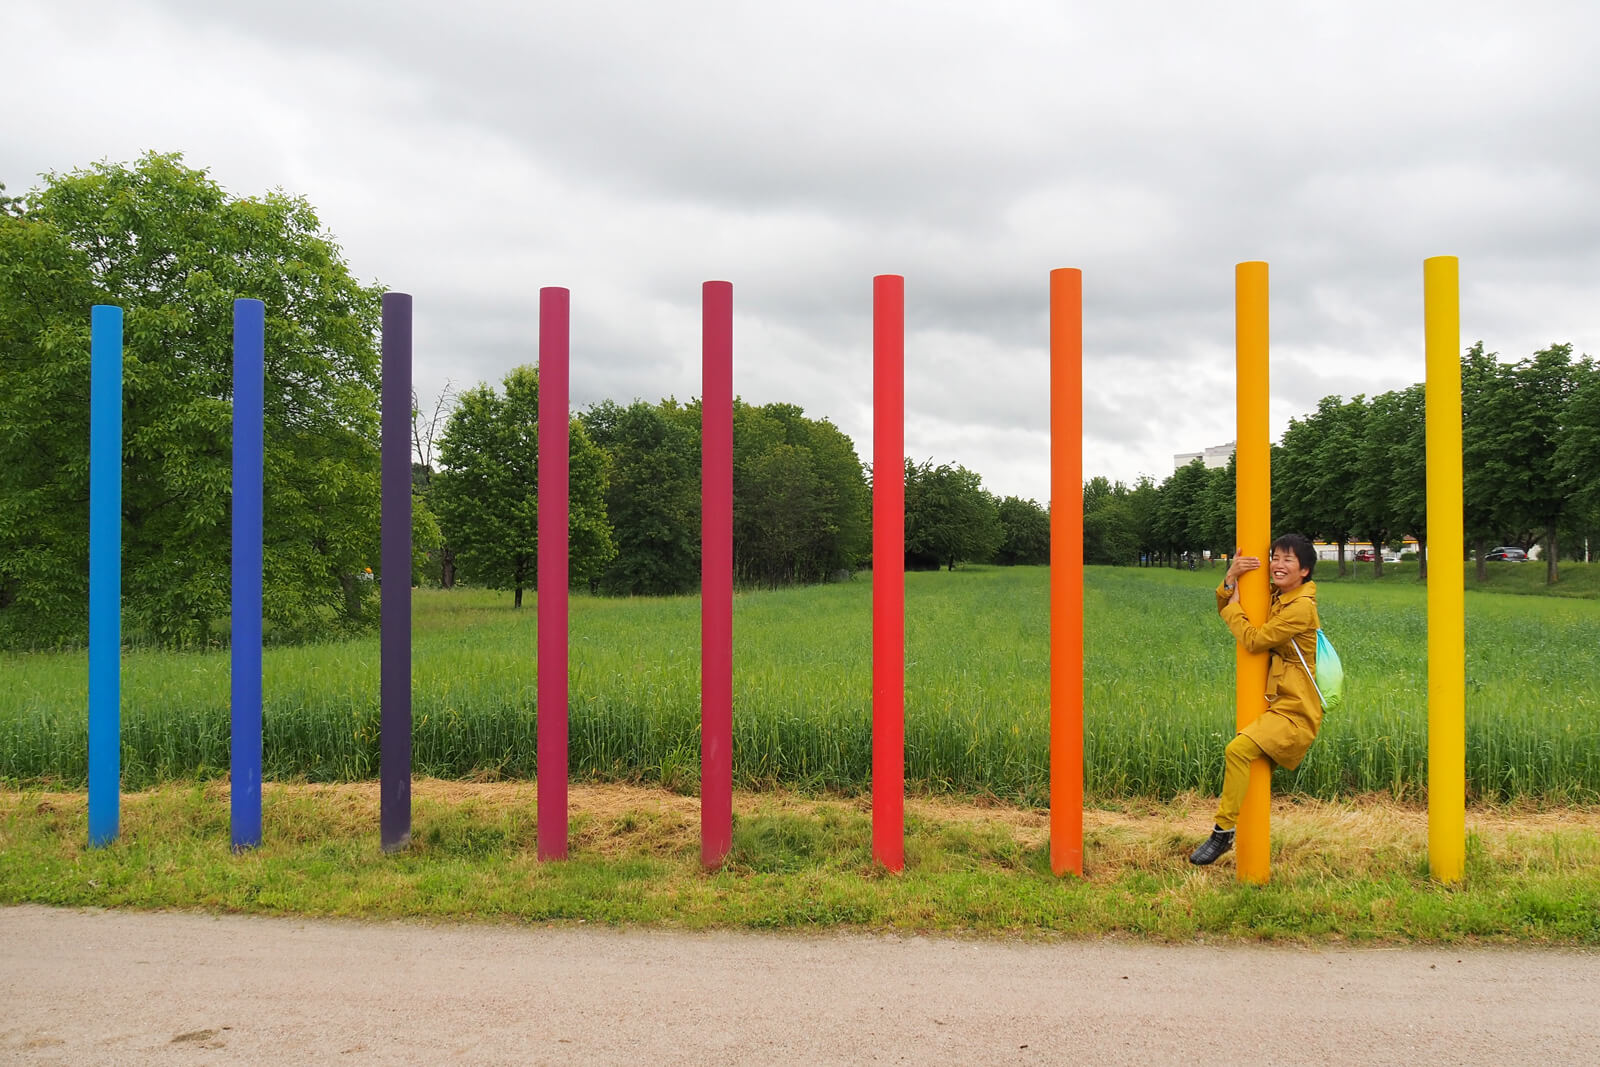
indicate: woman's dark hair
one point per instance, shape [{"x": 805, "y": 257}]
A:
[{"x": 1302, "y": 549}]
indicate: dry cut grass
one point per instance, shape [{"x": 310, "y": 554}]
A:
[{"x": 1366, "y": 837}]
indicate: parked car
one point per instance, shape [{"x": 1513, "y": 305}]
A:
[
  {"x": 1508, "y": 554},
  {"x": 1390, "y": 557},
  {"x": 1364, "y": 555}
]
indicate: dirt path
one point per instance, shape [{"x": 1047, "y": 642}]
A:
[{"x": 117, "y": 987}]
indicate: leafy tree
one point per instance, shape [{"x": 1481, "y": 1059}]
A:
[
  {"x": 1534, "y": 494},
  {"x": 1216, "y": 508},
  {"x": 1181, "y": 495},
  {"x": 168, "y": 245},
  {"x": 652, "y": 498},
  {"x": 486, "y": 490},
  {"x": 950, "y": 518},
  {"x": 1485, "y": 404},
  {"x": 1577, "y": 458},
  {"x": 1025, "y": 532},
  {"x": 1110, "y": 525},
  {"x": 1405, "y": 435},
  {"x": 801, "y": 509},
  {"x": 1144, "y": 505}
]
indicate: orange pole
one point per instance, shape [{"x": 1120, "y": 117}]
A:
[
  {"x": 1066, "y": 570},
  {"x": 1254, "y": 533}
]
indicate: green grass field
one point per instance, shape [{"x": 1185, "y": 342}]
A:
[{"x": 1158, "y": 692}]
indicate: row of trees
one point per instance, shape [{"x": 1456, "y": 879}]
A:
[
  {"x": 166, "y": 243},
  {"x": 169, "y": 246},
  {"x": 802, "y": 498},
  {"x": 1355, "y": 470}
]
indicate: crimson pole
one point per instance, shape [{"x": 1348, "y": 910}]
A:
[
  {"x": 888, "y": 570},
  {"x": 554, "y": 325},
  {"x": 716, "y": 573}
]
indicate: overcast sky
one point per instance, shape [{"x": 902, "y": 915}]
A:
[{"x": 471, "y": 152}]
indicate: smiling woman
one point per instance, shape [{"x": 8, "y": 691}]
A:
[{"x": 1293, "y": 715}]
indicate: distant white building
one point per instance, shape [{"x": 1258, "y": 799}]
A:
[{"x": 1214, "y": 457}]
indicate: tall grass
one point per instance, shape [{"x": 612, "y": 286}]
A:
[{"x": 1158, "y": 693}]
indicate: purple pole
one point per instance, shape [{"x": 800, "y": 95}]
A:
[
  {"x": 554, "y": 305},
  {"x": 395, "y": 559}
]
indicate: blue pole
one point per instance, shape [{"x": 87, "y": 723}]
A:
[
  {"x": 105, "y": 572},
  {"x": 249, "y": 358}
]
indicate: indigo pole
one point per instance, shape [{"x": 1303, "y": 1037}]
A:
[
  {"x": 249, "y": 374},
  {"x": 554, "y": 325},
  {"x": 716, "y": 573},
  {"x": 105, "y": 573},
  {"x": 394, "y": 815}
]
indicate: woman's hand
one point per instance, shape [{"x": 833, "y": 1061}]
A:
[{"x": 1239, "y": 565}]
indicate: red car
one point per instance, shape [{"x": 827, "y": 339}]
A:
[{"x": 1364, "y": 555}]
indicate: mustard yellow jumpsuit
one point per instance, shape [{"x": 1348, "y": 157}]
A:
[{"x": 1294, "y": 712}]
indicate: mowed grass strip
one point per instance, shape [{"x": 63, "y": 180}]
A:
[
  {"x": 1340, "y": 871},
  {"x": 1159, "y": 700}
]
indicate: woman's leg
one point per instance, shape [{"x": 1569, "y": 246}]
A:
[{"x": 1236, "y": 760}]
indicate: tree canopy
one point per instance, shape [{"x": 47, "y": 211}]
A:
[
  {"x": 485, "y": 492},
  {"x": 169, "y": 246}
]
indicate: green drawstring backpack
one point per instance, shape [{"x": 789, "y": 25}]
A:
[{"x": 1329, "y": 679}]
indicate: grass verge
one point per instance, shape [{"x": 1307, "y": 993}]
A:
[{"x": 1342, "y": 871}]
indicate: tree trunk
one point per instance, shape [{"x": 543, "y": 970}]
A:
[
  {"x": 447, "y": 568},
  {"x": 1422, "y": 558},
  {"x": 1480, "y": 551},
  {"x": 1552, "y": 567},
  {"x": 352, "y": 597},
  {"x": 517, "y": 598},
  {"x": 1342, "y": 571}
]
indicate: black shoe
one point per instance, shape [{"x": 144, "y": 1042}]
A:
[{"x": 1212, "y": 848}]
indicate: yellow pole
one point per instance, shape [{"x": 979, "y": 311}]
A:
[
  {"x": 1447, "y": 669},
  {"x": 1253, "y": 517}
]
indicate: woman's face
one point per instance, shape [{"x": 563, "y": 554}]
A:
[{"x": 1284, "y": 566}]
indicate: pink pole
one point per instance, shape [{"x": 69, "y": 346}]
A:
[
  {"x": 554, "y": 325},
  {"x": 888, "y": 570},
  {"x": 716, "y": 574}
]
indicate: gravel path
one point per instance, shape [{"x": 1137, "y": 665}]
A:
[{"x": 80, "y": 987}]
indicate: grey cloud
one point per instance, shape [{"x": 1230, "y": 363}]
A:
[{"x": 474, "y": 152}]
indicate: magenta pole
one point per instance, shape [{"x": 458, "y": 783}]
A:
[
  {"x": 716, "y": 573},
  {"x": 554, "y": 325}
]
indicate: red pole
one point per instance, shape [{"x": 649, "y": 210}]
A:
[
  {"x": 888, "y": 570},
  {"x": 716, "y": 573},
  {"x": 554, "y": 324},
  {"x": 1066, "y": 570}
]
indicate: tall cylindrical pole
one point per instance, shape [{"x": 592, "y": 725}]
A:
[
  {"x": 716, "y": 573},
  {"x": 1066, "y": 570},
  {"x": 1447, "y": 740},
  {"x": 394, "y": 816},
  {"x": 1253, "y": 517},
  {"x": 249, "y": 387},
  {"x": 554, "y": 324},
  {"x": 888, "y": 570},
  {"x": 105, "y": 573}
]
